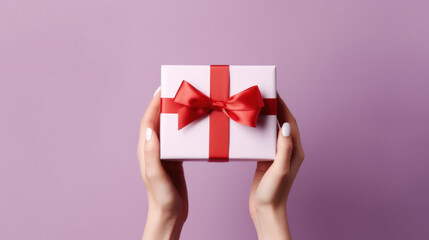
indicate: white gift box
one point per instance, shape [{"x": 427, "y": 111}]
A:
[{"x": 192, "y": 141}]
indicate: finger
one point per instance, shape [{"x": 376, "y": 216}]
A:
[
  {"x": 284, "y": 150},
  {"x": 150, "y": 118},
  {"x": 261, "y": 169},
  {"x": 152, "y": 162},
  {"x": 285, "y": 115},
  {"x": 273, "y": 183},
  {"x": 174, "y": 169},
  {"x": 161, "y": 189}
]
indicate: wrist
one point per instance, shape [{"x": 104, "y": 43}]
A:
[
  {"x": 271, "y": 222},
  {"x": 268, "y": 212},
  {"x": 162, "y": 224}
]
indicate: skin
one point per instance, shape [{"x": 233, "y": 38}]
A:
[
  {"x": 167, "y": 192},
  {"x": 273, "y": 181}
]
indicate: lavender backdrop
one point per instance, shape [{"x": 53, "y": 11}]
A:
[{"x": 76, "y": 75}]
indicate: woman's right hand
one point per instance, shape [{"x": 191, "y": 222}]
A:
[{"x": 273, "y": 180}]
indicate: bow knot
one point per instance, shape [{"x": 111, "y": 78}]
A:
[
  {"x": 217, "y": 105},
  {"x": 243, "y": 107}
]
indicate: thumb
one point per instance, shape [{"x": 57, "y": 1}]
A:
[
  {"x": 284, "y": 150},
  {"x": 153, "y": 166}
]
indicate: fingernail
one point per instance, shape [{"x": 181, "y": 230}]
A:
[
  {"x": 157, "y": 90},
  {"x": 148, "y": 134},
  {"x": 286, "y": 129}
]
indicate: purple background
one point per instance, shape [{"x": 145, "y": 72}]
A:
[{"x": 76, "y": 76}]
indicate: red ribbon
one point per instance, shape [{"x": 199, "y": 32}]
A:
[{"x": 243, "y": 107}]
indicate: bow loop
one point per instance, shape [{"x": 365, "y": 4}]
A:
[
  {"x": 243, "y": 107},
  {"x": 188, "y": 95},
  {"x": 248, "y": 99}
]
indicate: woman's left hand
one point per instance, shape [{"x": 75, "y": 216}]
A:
[{"x": 164, "y": 181}]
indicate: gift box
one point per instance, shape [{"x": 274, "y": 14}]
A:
[{"x": 218, "y": 112}]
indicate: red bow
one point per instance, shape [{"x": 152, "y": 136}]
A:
[{"x": 243, "y": 107}]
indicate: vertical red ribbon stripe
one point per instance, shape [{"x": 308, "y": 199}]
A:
[{"x": 219, "y": 122}]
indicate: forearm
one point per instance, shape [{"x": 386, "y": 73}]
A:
[
  {"x": 272, "y": 223},
  {"x": 161, "y": 226}
]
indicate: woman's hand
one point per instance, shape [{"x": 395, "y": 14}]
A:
[
  {"x": 273, "y": 180},
  {"x": 165, "y": 181}
]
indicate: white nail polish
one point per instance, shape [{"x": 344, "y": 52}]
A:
[
  {"x": 157, "y": 90},
  {"x": 148, "y": 134},
  {"x": 286, "y": 129}
]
